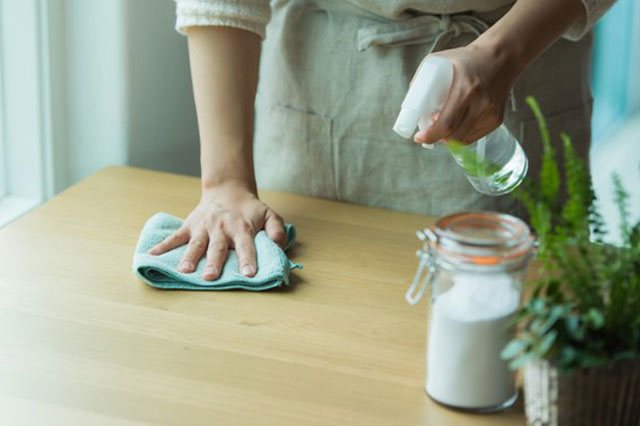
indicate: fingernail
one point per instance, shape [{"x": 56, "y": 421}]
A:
[
  {"x": 210, "y": 270},
  {"x": 151, "y": 251},
  {"x": 428, "y": 145},
  {"x": 186, "y": 266},
  {"x": 247, "y": 270}
]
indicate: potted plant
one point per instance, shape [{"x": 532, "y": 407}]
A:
[{"x": 579, "y": 328}]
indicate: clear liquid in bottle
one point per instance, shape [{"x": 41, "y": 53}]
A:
[{"x": 494, "y": 164}]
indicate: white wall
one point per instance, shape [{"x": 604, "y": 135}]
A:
[
  {"x": 95, "y": 82},
  {"x": 121, "y": 92},
  {"x": 162, "y": 129}
]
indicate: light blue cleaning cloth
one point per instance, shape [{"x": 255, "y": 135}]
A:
[{"x": 162, "y": 271}]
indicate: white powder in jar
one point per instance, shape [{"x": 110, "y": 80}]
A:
[{"x": 467, "y": 331}]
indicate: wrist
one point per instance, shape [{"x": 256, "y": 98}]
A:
[
  {"x": 507, "y": 53},
  {"x": 230, "y": 185},
  {"x": 227, "y": 162},
  {"x": 234, "y": 170}
]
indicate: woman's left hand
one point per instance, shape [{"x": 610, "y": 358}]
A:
[{"x": 482, "y": 79}]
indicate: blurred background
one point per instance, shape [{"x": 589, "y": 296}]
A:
[{"x": 90, "y": 83}]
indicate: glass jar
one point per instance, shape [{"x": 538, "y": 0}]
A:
[{"x": 474, "y": 263}]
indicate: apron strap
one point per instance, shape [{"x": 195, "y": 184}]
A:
[{"x": 433, "y": 29}]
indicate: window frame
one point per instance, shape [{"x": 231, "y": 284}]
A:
[
  {"x": 610, "y": 112},
  {"x": 3, "y": 190},
  {"x": 25, "y": 107}
]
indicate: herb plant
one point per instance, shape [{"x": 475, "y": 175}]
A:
[{"x": 584, "y": 310}]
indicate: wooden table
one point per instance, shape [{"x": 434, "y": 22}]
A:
[{"x": 82, "y": 341}]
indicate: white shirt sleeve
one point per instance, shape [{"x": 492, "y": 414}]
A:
[
  {"x": 594, "y": 9},
  {"x": 250, "y": 15}
]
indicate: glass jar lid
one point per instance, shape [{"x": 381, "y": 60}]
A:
[{"x": 480, "y": 239}]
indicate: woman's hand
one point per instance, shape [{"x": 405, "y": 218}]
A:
[
  {"x": 485, "y": 70},
  {"x": 476, "y": 102},
  {"x": 227, "y": 216}
]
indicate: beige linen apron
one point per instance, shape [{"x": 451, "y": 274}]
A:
[{"x": 332, "y": 78}]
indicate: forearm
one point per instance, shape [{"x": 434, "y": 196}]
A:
[
  {"x": 224, "y": 71},
  {"x": 528, "y": 29}
]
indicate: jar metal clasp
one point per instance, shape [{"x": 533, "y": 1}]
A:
[{"x": 426, "y": 269}]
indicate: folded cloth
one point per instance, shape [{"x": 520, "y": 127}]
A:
[{"x": 162, "y": 271}]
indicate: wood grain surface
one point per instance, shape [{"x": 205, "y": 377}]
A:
[{"x": 83, "y": 341}]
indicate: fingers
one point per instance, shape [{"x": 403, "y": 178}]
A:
[
  {"x": 465, "y": 117},
  {"x": 422, "y": 132},
  {"x": 216, "y": 256},
  {"x": 479, "y": 122},
  {"x": 246, "y": 251},
  {"x": 274, "y": 227},
  {"x": 466, "y": 128},
  {"x": 452, "y": 114},
  {"x": 195, "y": 250},
  {"x": 178, "y": 239}
]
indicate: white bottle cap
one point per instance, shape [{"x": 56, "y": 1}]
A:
[
  {"x": 405, "y": 124},
  {"x": 426, "y": 96}
]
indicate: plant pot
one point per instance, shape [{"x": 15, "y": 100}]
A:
[{"x": 604, "y": 396}]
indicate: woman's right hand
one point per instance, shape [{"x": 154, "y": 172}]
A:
[{"x": 227, "y": 216}]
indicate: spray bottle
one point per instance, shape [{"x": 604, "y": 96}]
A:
[{"x": 494, "y": 164}]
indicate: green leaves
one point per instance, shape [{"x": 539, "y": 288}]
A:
[
  {"x": 622, "y": 202},
  {"x": 514, "y": 348},
  {"x": 541, "y": 325},
  {"x": 585, "y": 310},
  {"x": 594, "y": 317},
  {"x": 541, "y": 349},
  {"x": 519, "y": 351},
  {"x": 576, "y": 209},
  {"x": 567, "y": 355},
  {"x": 549, "y": 175},
  {"x": 470, "y": 162},
  {"x": 575, "y": 328}
]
